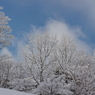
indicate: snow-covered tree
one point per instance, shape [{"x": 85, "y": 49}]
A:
[
  {"x": 80, "y": 72},
  {"x": 5, "y": 30},
  {"x": 56, "y": 68},
  {"x": 77, "y": 66},
  {"x": 54, "y": 85},
  {"x": 83, "y": 75},
  {"x": 39, "y": 56},
  {"x": 6, "y": 65},
  {"x": 25, "y": 84},
  {"x": 5, "y": 39},
  {"x": 66, "y": 52}
]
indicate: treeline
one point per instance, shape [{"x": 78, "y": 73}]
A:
[{"x": 50, "y": 67}]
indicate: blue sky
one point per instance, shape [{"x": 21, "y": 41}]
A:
[{"x": 72, "y": 17}]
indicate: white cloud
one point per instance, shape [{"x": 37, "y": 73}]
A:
[
  {"x": 20, "y": 46},
  {"x": 1, "y": 7},
  {"x": 60, "y": 27},
  {"x": 5, "y": 51}
]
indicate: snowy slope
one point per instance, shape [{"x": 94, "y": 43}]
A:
[{"x": 12, "y": 92}]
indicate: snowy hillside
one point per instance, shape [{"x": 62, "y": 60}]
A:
[{"x": 12, "y": 92}]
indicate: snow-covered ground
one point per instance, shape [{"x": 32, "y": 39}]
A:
[{"x": 12, "y": 92}]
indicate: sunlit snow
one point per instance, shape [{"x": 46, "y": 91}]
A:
[{"x": 12, "y": 92}]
